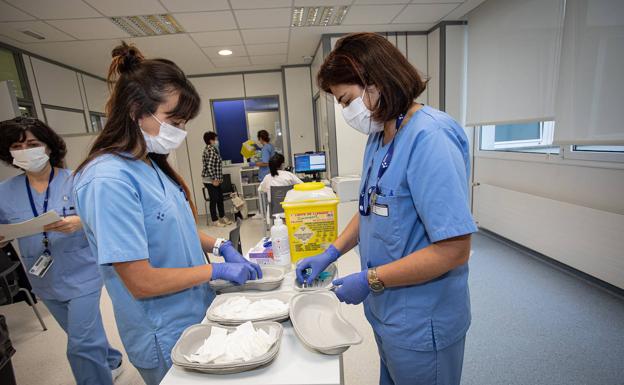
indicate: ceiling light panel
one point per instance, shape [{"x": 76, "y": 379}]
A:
[
  {"x": 148, "y": 25},
  {"x": 318, "y": 16}
]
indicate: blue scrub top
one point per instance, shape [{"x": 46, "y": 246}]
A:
[
  {"x": 74, "y": 272},
  {"x": 426, "y": 191},
  {"x": 267, "y": 152},
  {"x": 133, "y": 211}
]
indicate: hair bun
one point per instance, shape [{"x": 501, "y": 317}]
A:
[{"x": 126, "y": 58}]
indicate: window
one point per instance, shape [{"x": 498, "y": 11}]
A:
[
  {"x": 98, "y": 121},
  {"x": 607, "y": 149},
  {"x": 519, "y": 137},
  {"x": 10, "y": 70}
]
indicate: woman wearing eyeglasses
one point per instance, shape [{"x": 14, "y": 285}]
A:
[{"x": 414, "y": 224}]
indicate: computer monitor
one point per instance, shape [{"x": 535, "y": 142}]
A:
[{"x": 310, "y": 162}]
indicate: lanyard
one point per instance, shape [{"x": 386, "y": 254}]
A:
[
  {"x": 364, "y": 207},
  {"x": 46, "y": 241}
]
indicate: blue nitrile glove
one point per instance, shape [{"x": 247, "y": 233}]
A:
[
  {"x": 317, "y": 264},
  {"x": 237, "y": 273},
  {"x": 352, "y": 289},
  {"x": 252, "y": 164},
  {"x": 230, "y": 254}
]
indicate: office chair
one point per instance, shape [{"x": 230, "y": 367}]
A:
[
  {"x": 10, "y": 288},
  {"x": 278, "y": 194},
  {"x": 227, "y": 188}
]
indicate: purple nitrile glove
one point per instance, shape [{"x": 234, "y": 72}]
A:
[
  {"x": 352, "y": 289},
  {"x": 252, "y": 164},
  {"x": 238, "y": 273},
  {"x": 231, "y": 255},
  {"x": 317, "y": 264}
]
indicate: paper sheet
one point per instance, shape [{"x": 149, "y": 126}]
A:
[{"x": 29, "y": 227}]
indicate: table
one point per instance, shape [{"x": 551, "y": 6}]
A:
[{"x": 295, "y": 364}]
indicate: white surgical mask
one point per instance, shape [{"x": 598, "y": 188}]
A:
[
  {"x": 358, "y": 116},
  {"x": 216, "y": 143},
  {"x": 168, "y": 139},
  {"x": 32, "y": 159}
]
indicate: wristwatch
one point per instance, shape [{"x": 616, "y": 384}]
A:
[
  {"x": 374, "y": 283},
  {"x": 217, "y": 245}
]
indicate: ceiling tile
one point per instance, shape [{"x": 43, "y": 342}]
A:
[
  {"x": 263, "y": 18},
  {"x": 224, "y": 62},
  {"x": 460, "y": 12},
  {"x": 195, "y": 5},
  {"x": 378, "y": 2},
  {"x": 255, "y": 4},
  {"x": 91, "y": 56},
  {"x": 424, "y": 13},
  {"x": 436, "y": 1},
  {"x": 90, "y": 29},
  {"x": 206, "y": 21},
  {"x": 217, "y": 38},
  {"x": 371, "y": 14},
  {"x": 10, "y": 13},
  {"x": 68, "y": 9},
  {"x": 314, "y": 3},
  {"x": 272, "y": 59},
  {"x": 267, "y": 49},
  {"x": 213, "y": 52},
  {"x": 180, "y": 48},
  {"x": 260, "y": 36},
  {"x": 14, "y": 31},
  {"x": 127, "y": 8}
]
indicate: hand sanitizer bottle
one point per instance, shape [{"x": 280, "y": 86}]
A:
[{"x": 279, "y": 238}]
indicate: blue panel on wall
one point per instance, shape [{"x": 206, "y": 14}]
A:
[
  {"x": 231, "y": 126},
  {"x": 511, "y": 132}
]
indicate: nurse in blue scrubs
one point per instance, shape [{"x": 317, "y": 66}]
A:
[
  {"x": 414, "y": 224},
  {"x": 139, "y": 217},
  {"x": 266, "y": 152},
  {"x": 71, "y": 285}
]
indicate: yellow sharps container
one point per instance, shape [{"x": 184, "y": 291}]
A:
[{"x": 311, "y": 211}]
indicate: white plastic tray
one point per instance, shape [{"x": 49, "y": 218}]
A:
[
  {"x": 283, "y": 296},
  {"x": 319, "y": 324},
  {"x": 332, "y": 269},
  {"x": 272, "y": 278},
  {"x": 194, "y": 336}
]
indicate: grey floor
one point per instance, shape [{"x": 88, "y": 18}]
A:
[{"x": 532, "y": 324}]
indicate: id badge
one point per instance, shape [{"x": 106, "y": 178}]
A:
[
  {"x": 381, "y": 210},
  {"x": 41, "y": 267}
]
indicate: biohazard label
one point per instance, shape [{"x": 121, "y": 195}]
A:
[
  {"x": 313, "y": 231},
  {"x": 303, "y": 234}
]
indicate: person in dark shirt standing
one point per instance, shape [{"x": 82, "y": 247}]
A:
[{"x": 213, "y": 178}]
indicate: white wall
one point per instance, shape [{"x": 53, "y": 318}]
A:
[
  {"x": 262, "y": 120},
  {"x": 433, "y": 65},
  {"x": 300, "y": 113},
  {"x": 96, "y": 93}
]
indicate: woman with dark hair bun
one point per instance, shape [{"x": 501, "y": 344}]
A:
[
  {"x": 267, "y": 151},
  {"x": 139, "y": 216},
  {"x": 69, "y": 283}
]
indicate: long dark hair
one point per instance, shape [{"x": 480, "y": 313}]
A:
[
  {"x": 14, "y": 131},
  {"x": 368, "y": 59},
  {"x": 275, "y": 163},
  {"x": 138, "y": 86}
]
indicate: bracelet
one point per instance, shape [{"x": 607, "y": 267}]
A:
[{"x": 217, "y": 245}]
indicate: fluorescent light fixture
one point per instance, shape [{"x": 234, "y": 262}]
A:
[
  {"x": 148, "y": 25},
  {"x": 225, "y": 52},
  {"x": 318, "y": 16}
]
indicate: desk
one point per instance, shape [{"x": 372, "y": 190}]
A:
[{"x": 294, "y": 365}]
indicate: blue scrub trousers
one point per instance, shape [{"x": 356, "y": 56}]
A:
[
  {"x": 90, "y": 356},
  {"x": 409, "y": 367}
]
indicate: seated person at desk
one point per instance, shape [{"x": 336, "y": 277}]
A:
[
  {"x": 267, "y": 151},
  {"x": 277, "y": 176},
  {"x": 71, "y": 286},
  {"x": 212, "y": 175}
]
